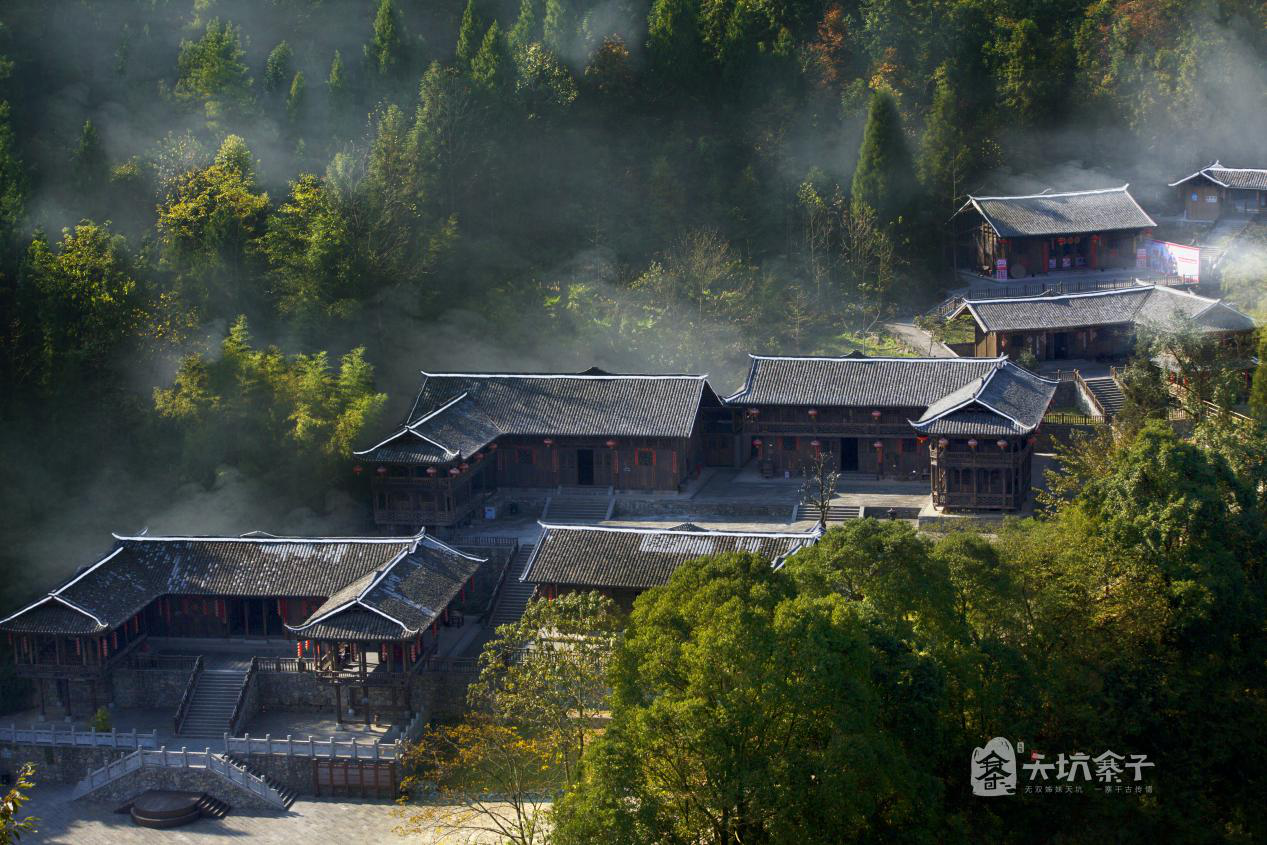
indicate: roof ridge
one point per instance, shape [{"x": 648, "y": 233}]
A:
[
  {"x": 1046, "y": 195},
  {"x": 923, "y": 359},
  {"x": 575, "y": 376},
  {"x": 635, "y": 529},
  {"x": 240, "y": 539},
  {"x": 1050, "y": 297}
]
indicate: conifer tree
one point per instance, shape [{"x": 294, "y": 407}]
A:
[
  {"x": 490, "y": 68},
  {"x": 295, "y": 100},
  {"x": 277, "y": 68},
  {"x": 90, "y": 159},
  {"x": 557, "y": 27},
  {"x": 337, "y": 82},
  {"x": 385, "y": 48},
  {"x": 527, "y": 28},
  {"x": 943, "y": 155},
  {"x": 469, "y": 34},
  {"x": 884, "y": 179}
]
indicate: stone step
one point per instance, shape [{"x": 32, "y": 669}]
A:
[
  {"x": 514, "y": 594},
  {"x": 835, "y": 513}
]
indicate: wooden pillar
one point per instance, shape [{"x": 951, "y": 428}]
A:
[
  {"x": 43, "y": 707},
  {"x": 57, "y": 646},
  {"x": 338, "y": 704}
]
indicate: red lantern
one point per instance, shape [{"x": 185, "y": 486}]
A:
[
  {"x": 756, "y": 441},
  {"x": 358, "y": 469},
  {"x": 875, "y": 415},
  {"x": 813, "y": 412},
  {"x": 879, "y": 444},
  {"x": 752, "y": 412},
  {"x": 465, "y": 466},
  {"x": 972, "y": 443},
  {"x": 921, "y": 439},
  {"x": 549, "y": 441},
  {"x": 492, "y": 447},
  {"x": 815, "y": 443},
  {"x": 942, "y": 442},
  {"x": 1032, "y": 440},
  {"x": 1001, "y": 443},
  {"x": 381, "y": 472},
  {"x": 432, "y": 471},
  {"x": 455, "y": 471},
  {"x": 611, "y": 444}
]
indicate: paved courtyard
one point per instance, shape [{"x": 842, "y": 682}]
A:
[{"x": 65, "y": 822}]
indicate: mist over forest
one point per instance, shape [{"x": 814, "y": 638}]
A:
[{"x": 232, "y": 233}]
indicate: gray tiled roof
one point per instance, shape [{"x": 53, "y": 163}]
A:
[
  {"x": 640, "y": 558},
  {"x": 408, "y": 593},
  {"x": 975, "y": 422},
  {"x": 141, "y": 569},
  {"x": 455, "y": 415},
  {"x": 1246, "y": 178},
  {"x": 353, "y": 623},
  {"x": 1009, "y": 400},
  {"x": 1159, "y": 306},
  {"x": 1077, "y": 212},
  {"x": 858, "y": 382}
]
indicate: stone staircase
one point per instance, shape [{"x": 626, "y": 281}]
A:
[
  {"x": 288, "y": 795},
  {"x": 1108, "y": 393},
  {"x": 835, "y": 513},
  {"x": 514, "y": 594},
  {"x": 578, "y": 509},
  {"x": 212, "y": 704}
]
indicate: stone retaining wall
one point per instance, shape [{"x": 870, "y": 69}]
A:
[
  {"x": 149, "y": 688},
  {"x": 57, "y": 763},
  {"x": 441, "y": 696},
  {"x": 132, "y": 784}
]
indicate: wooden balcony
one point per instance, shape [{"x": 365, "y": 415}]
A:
[
  {"x": 983, "y": 457},
  {"x": 977, "y": 501}
]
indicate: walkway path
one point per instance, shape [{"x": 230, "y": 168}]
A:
[
  {"x": 920, "y": 341},
  {"x": 65, "y": 822}
]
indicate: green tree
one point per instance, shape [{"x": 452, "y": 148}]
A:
[
  {"x": 1144, "y": 392},
  {"x": 277, "y": 68},
  {"x": 208, "y": 228},
  {"x": 295, "y": 99},
  {"x": 336, "y": 81},
  {"x": 86, "y": 302},
  {"x": 286, "y": 419},
  {"x": 527, "y": 28},
  {"x": 491, "y": 68},
  {"x": 212, "y": 70},
  {"x": 469, "y": 38},
  {"x": 385, "y": 51},
  {"x": 558, "y": 24},
  {"x": 90, "y": 164},
  {"x": 1258, "y": 388},
  {"x": 741, "y": 712},
  {"x": 883, "y": 179}
]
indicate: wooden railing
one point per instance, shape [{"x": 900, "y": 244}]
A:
[
  {"x": 1063, "y": 418},
  {"x": 285, "y": 664},
  {"x": 182, "y": 759},
  {"x": 327, "y": 747},
  {"x": 240, "y": 704},
  {"x": 182, "y": 710},
  {"x": 986, "y": 455},
  {"x": 449, "y": 664},
  {"x": 53, "y": 736}
]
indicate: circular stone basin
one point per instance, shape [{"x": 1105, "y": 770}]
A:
[{"x": 166, "y": 808}]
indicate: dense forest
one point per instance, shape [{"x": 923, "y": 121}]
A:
[{"x": 231, "y": 232}]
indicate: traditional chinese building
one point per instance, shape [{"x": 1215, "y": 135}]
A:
[
  {"x": 1014, "y": 237},
  {"x": 468, "y": 434},
  {"x": 342, "y": 600},
  {"x": 963, "y": 425},
  {"x": 624, "y": 562},
  {"x": 1217, "y": 191},
  {"x": 1100, "y": 325}
]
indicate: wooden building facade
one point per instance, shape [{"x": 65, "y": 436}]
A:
[
  {"x": 338, "y": 599},
  {"x": 1217, "y": 191},
  {"x": 1015, "y": 237},
  {"x": 1094, "y": 326},
  {"x": 910, "y": 419},
  {"x": 470, "y": 434}
]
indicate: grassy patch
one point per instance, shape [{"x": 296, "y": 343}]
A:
[{"x": 874, "y": 344}]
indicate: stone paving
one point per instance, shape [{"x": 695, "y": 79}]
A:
[{"x": 66, "y": 822}]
